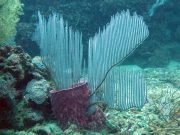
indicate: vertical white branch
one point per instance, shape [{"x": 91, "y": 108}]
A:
[
  {"x": 61, "y": 50},
  {"x": 157, "y": 4}
]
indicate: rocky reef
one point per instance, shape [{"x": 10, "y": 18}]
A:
[{"x": 19, "y": 100}]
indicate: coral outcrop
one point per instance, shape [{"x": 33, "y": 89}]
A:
[{"x": 16, "y": 71}]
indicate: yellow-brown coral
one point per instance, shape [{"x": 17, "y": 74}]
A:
[{"x": 9, "y": 16}]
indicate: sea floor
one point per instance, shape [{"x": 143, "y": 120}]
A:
[{"x": 161, "y": 113}]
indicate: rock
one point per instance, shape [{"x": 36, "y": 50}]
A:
[
  {"x": 24, "y": 133},
  {"x": 73, "y": 129},
  {"x": 15, "y": 61},
  {"x": 4, "y": 51},
  {"x": 37, "y": 91},
  {"x": 32, "y": 118},
  {"x": 25, "y": 117},
  {"x": 7, "y": 99},
  {"x": 37, "y": 61},
  {"x": 6, "y": 132},
  {"x": 7, "y": 82},
  {"x": 14, "y": 66},
  {"x": 39, "y": 67},
  {"x": 47, "y": 129},
  {"x": 16, "y": 70}
]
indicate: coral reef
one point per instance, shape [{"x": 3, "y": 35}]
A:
[
  {"x": 16, "y": 71},
  {"x": 18, "y": 64}
]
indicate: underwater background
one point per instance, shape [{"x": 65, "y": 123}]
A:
[{"x": 25, "y": 104}]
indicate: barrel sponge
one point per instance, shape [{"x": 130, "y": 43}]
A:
[{"x": 9, "y": 16}]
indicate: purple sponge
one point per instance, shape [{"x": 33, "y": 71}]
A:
[{"x": 70, "y": 105}]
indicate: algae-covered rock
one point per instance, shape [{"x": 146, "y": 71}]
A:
[
  {"x": 39, "y": 129},
  {"x": 15, "y": 61},
  {"x": 40, "y": 68},
  {"x": 25, "y": 117},
  {"x": 37, "y": 91},
  {"x": 7, "y": 132},
  {"x": 72, "y": 129},
  {"x": 7, "y": 99},
  {"x": 47, "y": 129},
  {"x": 38, "y": 63}
]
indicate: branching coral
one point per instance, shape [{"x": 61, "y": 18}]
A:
[{"x": 9, "y": 16}]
